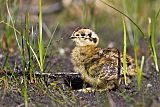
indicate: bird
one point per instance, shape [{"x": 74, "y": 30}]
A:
[{"x": 102, "y": 68}]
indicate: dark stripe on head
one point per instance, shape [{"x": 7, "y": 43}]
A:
[
  {"x": 90, "y": 34},
  {"x": 83, "y": 34}
]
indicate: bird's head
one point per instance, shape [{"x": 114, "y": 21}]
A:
[{"x": 85, "y": 37}]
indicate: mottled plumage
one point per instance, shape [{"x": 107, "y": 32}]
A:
[{"x": 101, "y": 68}]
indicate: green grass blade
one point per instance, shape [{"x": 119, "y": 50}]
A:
[
  {"x": 136, "y": 60},
  {"x": 153, "y": 42},
  {"x": 34, "y": 53},
  {"x": 140, "y": 73},
  {"x": 151, "y": 33},
  {"x": 40, "y": 36},
  {"x": 158, "y": 13},
  {"x": 124, "y": 51}
]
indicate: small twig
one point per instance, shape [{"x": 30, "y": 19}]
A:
[
  {"x": 58, "y": 75},
  {"x": 49, "y": 75}
]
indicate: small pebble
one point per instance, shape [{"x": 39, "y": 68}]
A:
[
  {"x": 149, "y": 85},
  {"x": 61, "y": 51}
]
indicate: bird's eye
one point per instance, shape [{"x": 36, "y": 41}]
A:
[
  {"x": 90, "y": 34},
  {"x": 82, "y": 34},
  {"x": 77, "y": 34},
  {"x": 94, "y": 40}
]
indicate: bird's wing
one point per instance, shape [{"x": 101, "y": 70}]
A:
[
  {"x": 111, "y": 64},
  {"x": 107, "y": 64},
  {"x": 104, "y": 64},
  {"x": 116, "y": 58}
]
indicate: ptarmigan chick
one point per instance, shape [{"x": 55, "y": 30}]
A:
[{"x": 101, "y": 68}]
